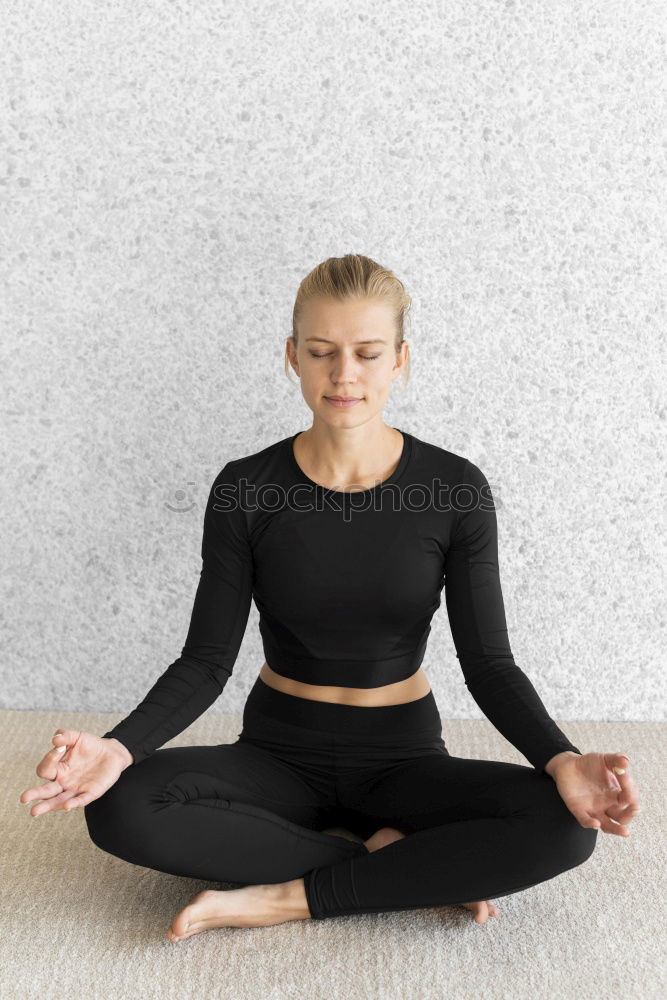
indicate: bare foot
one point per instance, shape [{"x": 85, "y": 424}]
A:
[
  {"x": 251, "y": 906},
  {"x": 483, "y": 909},
  {"x": 386, "y": 835}
]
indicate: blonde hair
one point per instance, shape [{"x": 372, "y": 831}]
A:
[{"x": 354, "y": 276}]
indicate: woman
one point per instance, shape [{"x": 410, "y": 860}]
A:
[{"x": 345, "y": 535}]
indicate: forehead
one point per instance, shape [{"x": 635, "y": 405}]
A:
[{"x": 352, "y": 320}]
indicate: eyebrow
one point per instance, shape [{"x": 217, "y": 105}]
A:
[{"x": 324, "y": 341}]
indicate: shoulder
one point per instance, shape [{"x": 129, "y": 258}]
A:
[
  {"x": 255, "y": 467},
  {"x": 438, "y": 460},
  {"x": 230, "y": 496},
  {"x": 469, "y": 487}
]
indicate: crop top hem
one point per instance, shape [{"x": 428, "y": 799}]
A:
[{"x": 345, "y": 673}]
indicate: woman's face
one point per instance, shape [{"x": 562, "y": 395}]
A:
[{"x": 346, "y": 349}]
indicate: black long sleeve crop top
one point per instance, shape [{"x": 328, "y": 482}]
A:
[{"x": 346, "y": 585}]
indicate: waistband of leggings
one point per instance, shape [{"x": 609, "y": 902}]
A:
[{"x": 421, "y": 715}]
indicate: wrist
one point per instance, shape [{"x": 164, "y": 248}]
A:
[
  {"x": 119, "y": 747},
  {"x": 557, "y": 761}
]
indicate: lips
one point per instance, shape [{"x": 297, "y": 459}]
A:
[{"x": 342, "y": 399}]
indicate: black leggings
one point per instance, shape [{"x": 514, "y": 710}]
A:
[{"x": 253, "y": 811}]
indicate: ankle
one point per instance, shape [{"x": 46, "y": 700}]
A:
[{"x": 289, "y": 899}]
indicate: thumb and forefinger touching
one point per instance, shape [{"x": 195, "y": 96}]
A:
[
  {"x": 627, "y": 805},
  {"x": 52, "y": 793},
  {"x": 613, "y": 816}
]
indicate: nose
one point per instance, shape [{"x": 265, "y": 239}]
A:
[{"x": 344, "y": 370}]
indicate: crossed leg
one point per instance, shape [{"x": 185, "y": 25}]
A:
[
  {"x": 475, "y": 830},
  {"x": 228, "y": 813}
]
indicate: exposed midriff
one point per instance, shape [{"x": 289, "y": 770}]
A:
[{"x": 409, "y": 689}]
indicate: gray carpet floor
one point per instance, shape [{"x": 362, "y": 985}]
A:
[{"x": 77, "y": 922}]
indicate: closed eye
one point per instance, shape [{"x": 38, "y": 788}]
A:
[{"x": 364, "y": 357}]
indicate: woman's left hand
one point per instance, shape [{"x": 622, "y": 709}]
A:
[{"x": 597, "y": 789}]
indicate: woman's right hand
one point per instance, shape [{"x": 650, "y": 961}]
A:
[{"x": 79, "y": 769}]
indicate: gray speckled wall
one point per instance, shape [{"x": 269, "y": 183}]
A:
[{"x": 170, "y": 172}]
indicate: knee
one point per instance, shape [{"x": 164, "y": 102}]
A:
[
  {"x": 99, "y": 816},
  {"x": 91, "y": 816},
  {"x": 106, "y": 817},
  {"x": 573, "y": 842},
  {"x": 576, "y": 843},
  {"x": 580, "y": 842}
]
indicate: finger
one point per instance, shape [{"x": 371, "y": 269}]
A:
[
  {"x": 82, "y": 796},
  {"x": 45, "y": 791},
  {"x": 628, "y": 793},
  {"x": 61, "y": 744},
  {"x": 48, "y": 765},
  {"x": 612, "y": 782},
  {"x": 623, "y": 813},
  {"x": 587, "y": 820},
  {"x": 68, "y": 736},
  {"x": 63, "y": 741},
  {"x": 607, "y": 825},
  {"x": 617, "y": 763},
  {"x": 58, "y": 802},
  {"x": 82, "y": 799},
  {"x": 617, "y": 760}
]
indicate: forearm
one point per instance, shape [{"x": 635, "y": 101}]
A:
[
  {"x": 510, "y": 702},
  {"x": 182, "y": 694}
]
